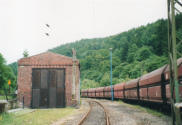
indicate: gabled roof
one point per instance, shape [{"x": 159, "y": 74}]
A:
[{"x": 46, "y": 58}]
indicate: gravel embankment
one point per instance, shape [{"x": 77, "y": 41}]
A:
[{"x": 124, "y": 114}]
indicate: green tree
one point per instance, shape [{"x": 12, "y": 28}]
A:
[
  {"x": 132, "y": 53},
  {"x": 143, "y": 53},
  {"x": 105, "y": 79},
  {"x": 87, "y": 83},
  {"x": 14, "y": 67},
  {"x": 25, "y": 53},
  {"x": 6, "y": 74}
]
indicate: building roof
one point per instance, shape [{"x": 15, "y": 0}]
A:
[{"x": 46, "y": 59}]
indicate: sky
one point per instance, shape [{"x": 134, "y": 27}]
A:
[{"x": 23, "y": 22}]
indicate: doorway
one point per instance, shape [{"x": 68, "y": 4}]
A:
[{"x": 48, "y": 88}]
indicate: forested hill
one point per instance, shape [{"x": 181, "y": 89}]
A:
[{"x": 135, "y": 52}]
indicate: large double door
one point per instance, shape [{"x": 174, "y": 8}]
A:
[{"x": 48, "y": 88}]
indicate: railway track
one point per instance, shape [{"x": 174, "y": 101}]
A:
[{"x": 96, "y": 115}]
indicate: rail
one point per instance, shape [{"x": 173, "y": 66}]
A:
[{"x": 87, "y": 114}]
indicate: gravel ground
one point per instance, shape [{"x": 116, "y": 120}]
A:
[
  {"x": 123, "y": 114},
  {"x": 96, "y": 116}
]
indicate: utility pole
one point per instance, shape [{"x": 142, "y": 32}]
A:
[
  {"x": 112, "y": 95},
  {"x": 172, "y": 52}
]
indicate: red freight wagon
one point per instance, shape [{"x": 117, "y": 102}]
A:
[
  {"x": 150, "y": 85},
  {"x": 167, "y": 77},
  {"x": 101, "y": 92},
  {"x": 93, "y": 92},
  {"x": 154, "y": 93},
  {"x": 107, "y": 92},
  {"x": 97, "y": 92},
  {"x": 118, "y": 90},
  {"x": 168, "y": 92},
  {"x": 88, "y": 92},
  {"x": 143, "y": 93},
  {"x": 152, "y": 77},
  {"x": 83, "y": 93},
  {"x": 179, "y": 63},
  {"x": 131, "y": 89}
]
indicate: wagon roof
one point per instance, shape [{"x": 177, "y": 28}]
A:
[
  {"x": 84, "y": 90},
  {"x": 91, "y": 89},
  {"x": 179, "y": 63},
  {"x": 155, "y": 72},
  {"x": 46, "y": 58},
  {"x": 100, "y": 88},
  {"x": 119, "y": 86},
  {"x": 132, "y": 83}
]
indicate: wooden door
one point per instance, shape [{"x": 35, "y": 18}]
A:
[
  {"x": 48, "y": 88},
  {"x": 60, "y": 88},
  {"x": 36, "y": 88}
]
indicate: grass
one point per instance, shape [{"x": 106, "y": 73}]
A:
[
  {"x": 4, "y": 97},
  {"x": 145, "y": 109},
  {"x": 150, "y": 111},
  {"x": 39, "y": 117}
]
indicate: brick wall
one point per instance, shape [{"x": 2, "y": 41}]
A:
[{"x": 25, "y": 84}]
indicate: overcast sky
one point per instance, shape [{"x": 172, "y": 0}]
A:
[{"x": 22, "y": 22}]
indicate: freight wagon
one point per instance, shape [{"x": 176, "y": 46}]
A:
[{"x": 151, "y": 87}]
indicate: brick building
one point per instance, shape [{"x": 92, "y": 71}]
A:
[{"x": 48, "y": 80}]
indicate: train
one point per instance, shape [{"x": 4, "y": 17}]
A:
[{"x": 151, "y": 87}]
